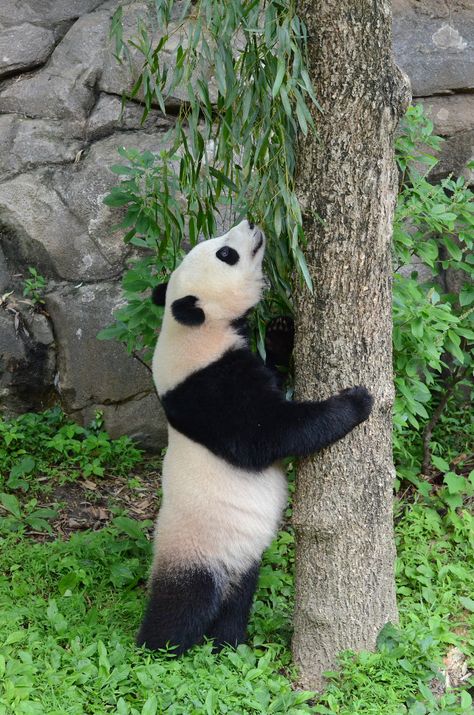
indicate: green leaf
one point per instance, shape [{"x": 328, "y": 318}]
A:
[
  {"x": 11, "y": 504},
  {"x": 467, "y": 602},
  {"x": 466, "y": 296},
  {"x": 281, "y": 69},
  {"x": 456, "y": 484},
  {"x": 440, "y": 463},
  {"x": 417, "y": 327},
  {"x": 151, "y": 706},
  {"x": 453, "y": 248},
  {"x": 301, "y": 117}
]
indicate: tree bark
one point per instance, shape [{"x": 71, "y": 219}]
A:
[{"x": 346, "y": 183}]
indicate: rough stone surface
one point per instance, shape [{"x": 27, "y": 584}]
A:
[
  {"x": 451, "y": 114},
  {"x": 27, "y": 360},
  {"x": 4, "y": 274},
  {"x": 93, "y": 374},
  {"x": 143, "y": 416},
  {"x": 107, "y": 117},
  {"x": 24, "y": 46},
  {"x": 28, "y": 143},
  {"x": 456, "y": 152},
  {"x": 45, "y": 11},
  {"x": 433, "y": 44},
  {"x": 64, "y": 89},
  {"x": 38, "y": 229},
  {"x": 83, "y": 187}
]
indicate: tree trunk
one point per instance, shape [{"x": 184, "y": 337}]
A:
[{"x": 346, "y": 183}]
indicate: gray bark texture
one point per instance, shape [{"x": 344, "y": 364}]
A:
[{"x": 346, "y": 183}]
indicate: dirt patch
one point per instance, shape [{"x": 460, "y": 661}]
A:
[{"x": 93, "y": 502}]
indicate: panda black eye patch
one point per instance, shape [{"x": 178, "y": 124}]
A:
[{"x": 228, "y": 255}]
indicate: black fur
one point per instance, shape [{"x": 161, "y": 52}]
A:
[
  {"x": 181, "y": 607},
  {"x": 186, "y": 311},
  {"x": 187, "y": 605},
  {"x": 233, "y": 408},
  {"x": 158, "y": 294},
  {"x": 279, "y": 342},
  {"x": 228, "y": 255},
  {"x": 229, "y": 627}
]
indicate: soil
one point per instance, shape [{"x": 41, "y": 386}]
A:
[{"x": 93, "y": 502}]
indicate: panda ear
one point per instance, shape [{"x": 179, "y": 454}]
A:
[
  {"x": 186, "y": 311},
  {"x": 158, "y": 294}
]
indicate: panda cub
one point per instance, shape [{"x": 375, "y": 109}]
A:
[{"x": 224, "y": 490}]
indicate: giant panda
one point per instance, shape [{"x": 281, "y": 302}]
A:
[{"x": 224, "y": 490}]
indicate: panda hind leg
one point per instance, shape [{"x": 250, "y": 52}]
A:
[
  {"x": 182, "y": 603},
  {"x": 229, "y": 627}
]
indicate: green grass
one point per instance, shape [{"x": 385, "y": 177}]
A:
[{"x": 69, "y": 609}]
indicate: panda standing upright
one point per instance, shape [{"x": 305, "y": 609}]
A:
[{"x": 229, "y": 425}]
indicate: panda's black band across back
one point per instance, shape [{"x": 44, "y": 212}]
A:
[{"x": 234, "y": 408}]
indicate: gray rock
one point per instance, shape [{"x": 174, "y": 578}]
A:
[
  {"x": 456, "y": 152},
  {"x": 29, "y": 143},
  {"x": 107, "y": 117},
  {"x": 45, "y": 11},
  {"x": 24, "y": 46},
  {"x": 433, "y": 44},
  {"x": 83, "y": 187},
  {"x": 4, "y": 274},
  {"x": 451, "y": 113},
  {"x": 37, "y": 228},
  {"x": 142, "y": 419},
  {"x": 27, "y": 361},
  {"x": 120, "y": 78},
  {"x": 65, "y": 88},
  {"x": 92, "y": 372}
]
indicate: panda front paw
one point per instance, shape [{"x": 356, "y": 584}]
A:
[
  {"x": 360, "y": 400},
  {"x": 279, "y": 340}
]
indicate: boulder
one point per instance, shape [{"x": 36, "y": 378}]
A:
[
  {"x": 432, "y": 44},
  {"x": 453, "y": 118},
  {"x": 142, "y": 419},
  {"x": 450, "y": 114},
  {"x": 65, "y": 88},
  {"x": 99, "y": 375},
  {"x": 4, "y": 274},
  {"x": 23, "y": 47},
  {"x": 84, "y": 185},
  {"x": 27, "y": 360},
  {"x": 38, "y": 229},
  {"x": 92, "y": 371},
  {"x": 46, "y": 11},
  {"x": 107, "y": 117},
  {"x": 120, "y": 78},
  {"x": 455, "y": 153},
  {"x": 29, "y": 143}
]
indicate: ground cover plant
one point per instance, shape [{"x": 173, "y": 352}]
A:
[{"x": 70, "y": 605}]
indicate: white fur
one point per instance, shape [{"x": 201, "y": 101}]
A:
[{"x": 212, "y": 513}]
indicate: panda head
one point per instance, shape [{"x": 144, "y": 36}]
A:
[{"x": 218, "y": 280}]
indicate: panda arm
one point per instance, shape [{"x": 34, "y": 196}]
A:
[{"x": 233, "y": 408}]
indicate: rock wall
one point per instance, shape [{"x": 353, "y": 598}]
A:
[{"x": 60, "y": 127}]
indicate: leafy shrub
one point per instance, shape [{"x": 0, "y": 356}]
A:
[
  {"x": 231, "y": 153},
  {"x": 433, "y": 327},
  {"x": 47, "y": 444}
]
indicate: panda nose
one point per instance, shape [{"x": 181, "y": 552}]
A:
[{"x": 251, "y": 224}]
